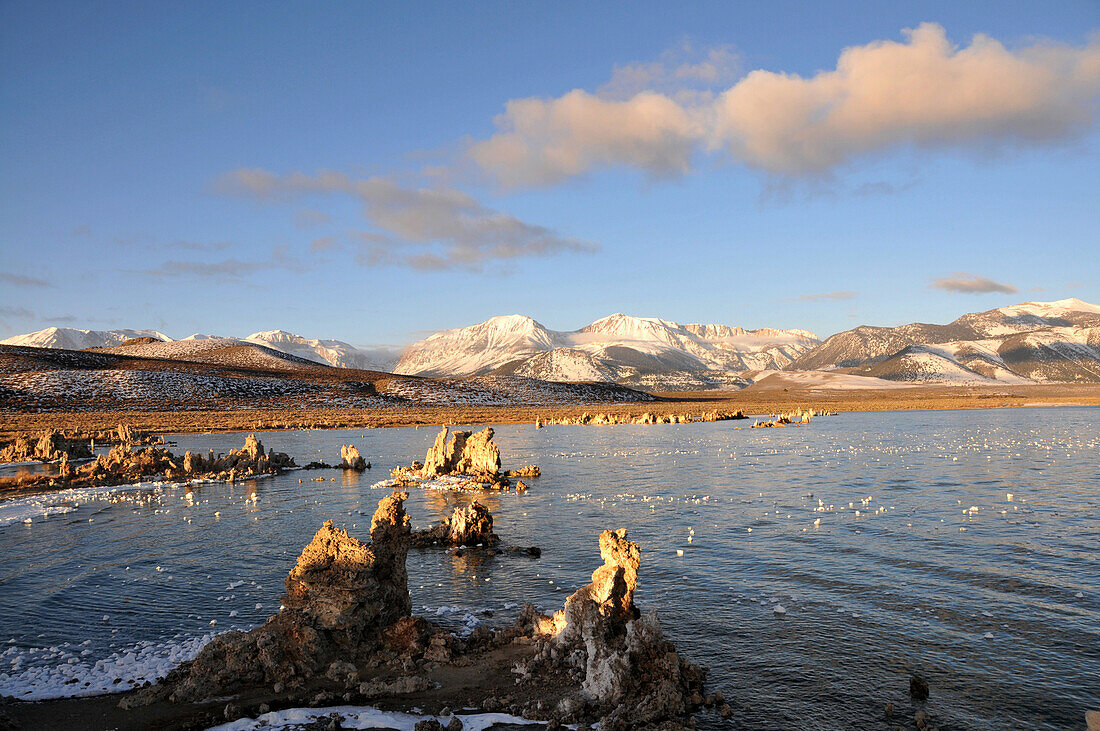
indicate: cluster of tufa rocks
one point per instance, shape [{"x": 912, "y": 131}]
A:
[
  {"x": 601, "y": 419},
  {"x": 53, "y": 445},
  {"x": 124, "y": 465},
  {"x": 472, "y": 455},
  {"x": 49, "y": 446},
  {"x": 347, "y": 634}
]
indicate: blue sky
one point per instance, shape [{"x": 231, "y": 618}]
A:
[{"x": 370, "y": 172}]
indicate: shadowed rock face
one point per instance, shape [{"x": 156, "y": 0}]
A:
[
  {"x": 340, "y": 597},
  {"x": 628, "y": 674}
]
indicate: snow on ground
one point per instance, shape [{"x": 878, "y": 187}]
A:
[
  {"x": 360, "y": 717},
  {"x": 89, "y": 390}
]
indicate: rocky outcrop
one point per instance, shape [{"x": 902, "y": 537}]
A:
[
  {"x": 125, "y": 465},
  {"x": 468, "y": 526},
  {"x": 467, "y": 453},
  {"x": 350, "y": 459},
  {"x": 49, "y": 446},
  {"x": 341, "y": 596},
  {"x": 587, "y": 419},
  {"x": 710, "y": 416},
  {"x": 248, "y": 461},
  {"x": 628, "y": 674},
  {"x": 346, "y": 634},
  {"x": 530, "y": 470}
]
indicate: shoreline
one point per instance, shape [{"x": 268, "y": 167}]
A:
[{"x": 753, "y": 401}]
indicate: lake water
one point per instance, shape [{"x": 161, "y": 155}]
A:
[{"x": 996, "y": 601}]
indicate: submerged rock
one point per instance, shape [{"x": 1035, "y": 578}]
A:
[{"x": 918, "y": 688}]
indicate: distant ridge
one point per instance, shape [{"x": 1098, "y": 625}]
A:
[
  {"x": 1030, "y": 342},
  {"x": 326, "y": 352}
]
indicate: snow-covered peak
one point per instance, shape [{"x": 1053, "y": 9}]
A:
[
  {"x": 613, "y": 344},
  {"x": 69, "y": 338},
  {"x": 1056, "y": 308},
  {"x": 327, "y": 352},
  {"x": 629, "y": 327},
  {"x": 201, "y": 336}
]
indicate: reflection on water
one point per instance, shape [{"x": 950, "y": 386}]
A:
[{"x": 921, "y": 560}]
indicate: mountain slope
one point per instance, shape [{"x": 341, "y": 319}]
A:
[
  {"x": 646, "y": 352},
  {"x": 1032, "y": 341}
]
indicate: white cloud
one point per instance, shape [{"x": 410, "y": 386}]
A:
[
  {"x": 966, "y": 283},
  {"x": 922, "y": 92},
  {"x": 424, "y": 228}
]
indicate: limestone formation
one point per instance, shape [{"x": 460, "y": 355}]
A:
[
  {"x": 528, "y": 471},
  {"x": 346, "y": 632},
  {"x": 350, "y": 459},
  {"x": 466, "y": 453},
  {"x": 124, "y": 464},
  {"x": 341, "y": 597},
  {"x": 629, "y": 675},
  {"x": 49, "y": 446},
  {"x": 468, "y": 526}
]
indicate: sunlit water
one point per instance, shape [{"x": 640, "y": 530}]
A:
[{"x": 995, "y": 602}]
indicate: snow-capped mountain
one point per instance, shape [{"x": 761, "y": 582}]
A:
[
  {"x": 333, "y": 352},
  {"x": 70, "y": 338},
  {"x": 326, "y": 352},
  {"x": 641, "y": 351},
  {"x": 1033, "y": 341}
]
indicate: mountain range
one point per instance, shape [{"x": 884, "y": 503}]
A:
[
  {"x": 1030, "y": 342},
  {"x": 641, "y": 352},
  {"x": 328, "y": 352}
]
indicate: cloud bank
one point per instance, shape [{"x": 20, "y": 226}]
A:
[
  {"x": 21, "y": 280},
  {"x": 825, "y": 297},
  {"x": 921, "y": 92},
  {"x": 967, "y": 283},
  {"x": 425, "y": 228}
]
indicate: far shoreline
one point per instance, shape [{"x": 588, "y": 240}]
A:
[{"x": 752, "y": 401}]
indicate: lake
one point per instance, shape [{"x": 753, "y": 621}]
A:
[{"x": 957, "y": 545}]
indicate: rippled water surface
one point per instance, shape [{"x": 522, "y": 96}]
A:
[{"x": 920, "y": 563}]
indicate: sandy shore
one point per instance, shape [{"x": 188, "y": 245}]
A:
[{"x": 753, "y": 401}]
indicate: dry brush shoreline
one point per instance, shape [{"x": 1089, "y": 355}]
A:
[{"x": 751, "y": 401}]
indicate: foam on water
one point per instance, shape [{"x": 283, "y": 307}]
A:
[{"x": 65, "y": 670}]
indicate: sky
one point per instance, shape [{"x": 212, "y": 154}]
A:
[{"x": 374, "y": 172}]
